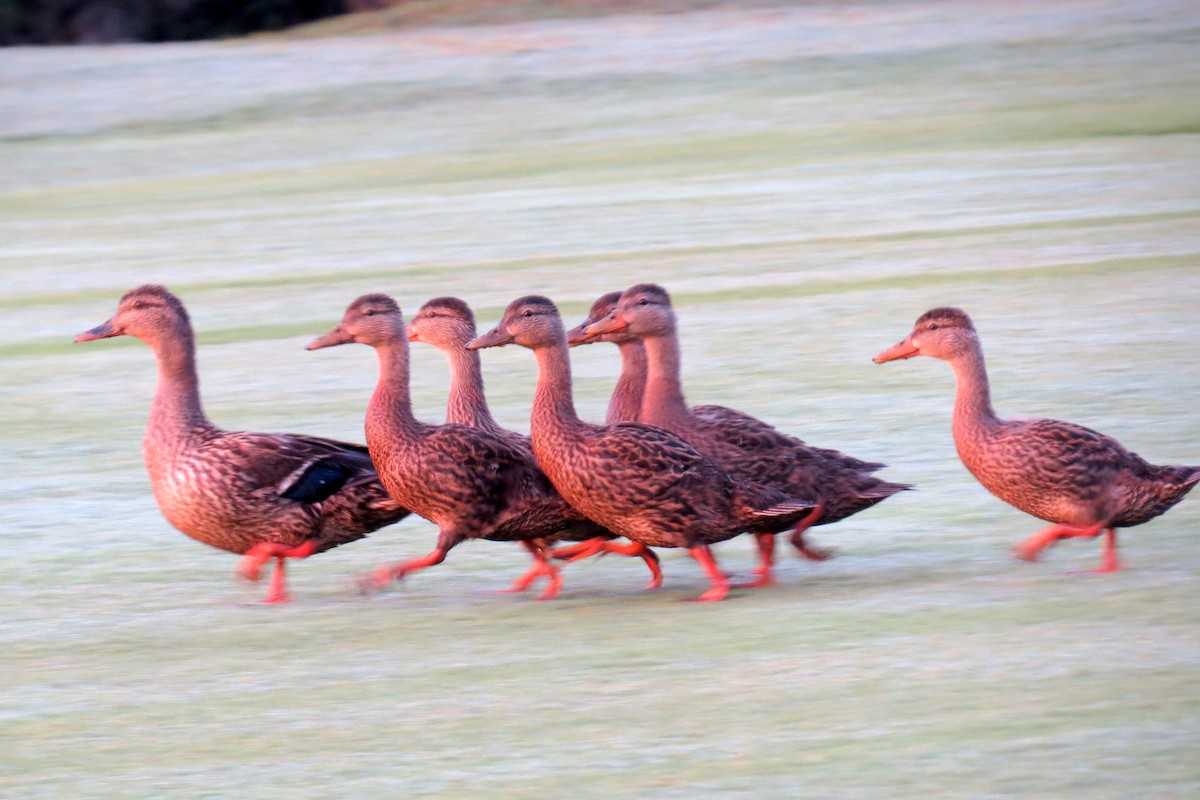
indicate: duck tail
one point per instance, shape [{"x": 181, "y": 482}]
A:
[
  {"x": 1176, "y": 481},
  {"x": 756, "y": 503},
  {"x": 883, "y": 489},
  {"x": 786, "y": 508}
]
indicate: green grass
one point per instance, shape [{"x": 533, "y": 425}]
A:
[{"x": 806, "y": 181}]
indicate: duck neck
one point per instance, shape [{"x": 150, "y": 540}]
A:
[
  {"x": 176, "y": 408},
  {"x": 553, "y": 401},
  {"x": 391, "y": 401},
  {"x": 663, "y": 402},
  {"x": 973, "y": 411},
  {"x": 467, "y": 404},
  {"x": 626, "y": 402}
]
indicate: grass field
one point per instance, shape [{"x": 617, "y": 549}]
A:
[{"x": 806, "y": 180}]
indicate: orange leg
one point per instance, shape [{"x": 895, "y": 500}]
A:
[
  {"x": 540, "y": 568},
  {"x": 381, "y": 577},
  {"x": 1108, "y": 557},
  {"x": 250, "y": 567},
  {"x": 646, "y": 554},
  {"x": 601, "y": 545},
  {"x": 720, "y": 584},
  {"x": 807, "y": 550},
  {"x": 1031, "y": 548},
  {"x": 766, "y": 556},
  {"x": 584, "y": 549}
]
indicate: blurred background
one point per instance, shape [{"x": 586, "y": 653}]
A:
[{"x": 806, "y": 179}]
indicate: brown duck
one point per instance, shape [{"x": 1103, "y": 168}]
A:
[
  {"x": 262, "y": 495},
  {"x": 1082, "y": 481},
  {"x": 639, "y": 481},
  {"x": 472, "y": 483},
  {"x": 747, "y": 447},
  {"x": 626, "y": 401},
  {"x": 448, "y": 324}
]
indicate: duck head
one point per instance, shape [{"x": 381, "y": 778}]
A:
[
  {"x": 373, "y": 319},
  {"x": 148, "y": 313},
  {"x": 532, "y": 321},
  {"x": 444, "y": 322},
  {"x": 643, "y": 311},
  {"x": 945, "y": 333},
  {"x": 604, "y": 306}
]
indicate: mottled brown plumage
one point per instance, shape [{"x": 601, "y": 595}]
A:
[
  {"x": 747, "y": 447},
  {"x": 1079, "y": 479},
  {"x": 637, "y": 480},
  {"x": 472, "y": 482},
  {"x": 258, "y": 494},
  {"x": 448, "y": 324},
  {"x": 626, "y": 401}
]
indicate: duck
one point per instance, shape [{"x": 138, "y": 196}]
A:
[
  {"x": 472, "y": 483},
  {"x": 1081, "y": 481},
  {"x": 625, "y": 403},
  {"x": 639, "y": 481},
  {"x": 448, "y": 323},
  {"x": 747, "y": 447},
  {"x": 260, "y": 495}
]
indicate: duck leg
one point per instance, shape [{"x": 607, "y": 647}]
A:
[
  {"x": 720, "y": 584},
  {"x": 540, "y": 568},
  {"x": 1031, "y": 548},
  {"x": 805, "y": 549},
  {"x": 250, "y": 566},
  {"x": 601, "y": 545},
  {"x": 766, "y": 556},
  {"x": 645, "y": 553},
  {"x": 381, "y": 577},
  {"x": 1110, "y": 562},
  {"x": 584, "y": 549}
]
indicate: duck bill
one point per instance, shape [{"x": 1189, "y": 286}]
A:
[
  {"x": 611, "y": 324},
  {"x": 413, "y": 336},
  {"x": 896, "y": 352},
  {"x": 103, "y": 331},
  {"x": 496, "y": 337},
  {"x": 576, "y": 335},
  {"x": 332, "y": 339}
]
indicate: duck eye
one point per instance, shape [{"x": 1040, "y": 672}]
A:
[
  {"x": 370, "y": 312},
  {"x": 527, "y": 313},
  {"x": 643, "y": 302},
  {"x": 933, "y": 326}
]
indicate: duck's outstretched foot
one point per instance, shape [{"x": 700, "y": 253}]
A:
[
  {"x": 541, "y": 568},
  {"x": 720, "y": 584},
  {"x": 766, "y": 556},
  {"x": 601, "y": 546},
  {"x": 641, "y": 551},
  {"x": 1031, "y": 548},
  {"x": 585, "y": 549},
  {"x": 251, "y": 563},
  {"x": 804, "y": 548},
  {"x": 377, "y": 579},
  {"x": 553, "y": 586}
]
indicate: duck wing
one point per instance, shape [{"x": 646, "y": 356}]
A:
[
  {"x": 307, "y": 469},
  {"x": 752, "y": 435}
]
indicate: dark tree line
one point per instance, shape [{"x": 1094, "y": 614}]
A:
[{"x": 110, "y": 21}]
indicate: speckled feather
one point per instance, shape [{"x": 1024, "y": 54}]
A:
[
  {"x": 1058, "y": 471},
  {"x": 228, "y": 489},
  {"x": 448, "y": 324},
  {"x": 638, "y": 480},
  {"x": 747, "y": 447},
  {"x": 471, "y": 482}
]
